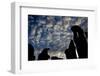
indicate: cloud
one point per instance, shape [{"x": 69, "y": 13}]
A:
[{"x": 53, "y": 31}]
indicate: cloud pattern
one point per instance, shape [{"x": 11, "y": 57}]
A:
[{"x": 53, "y": 31}]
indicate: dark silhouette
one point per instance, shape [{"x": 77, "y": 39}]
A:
[
  {"x": 80, "y": 42},
  {"x": 86, "y": 34},
  {"x": 31, "y": 52},
  {"x": 55, "y": 58},
  {"x": 44, "y": 55},
  {"x": 70, "y": 52}
]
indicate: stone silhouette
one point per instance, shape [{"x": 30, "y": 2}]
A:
[
  {"x": 86, "y": 34},
  {"x": 80, "y": 42},
  {"x": 70, "y": 52},
  {"x": 44, "y": 55},
  {"x": 31, "y": 52},
  {"x": 55, "y": 58}
]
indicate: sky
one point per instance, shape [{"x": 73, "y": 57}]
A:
[{"x": 53, "y": 32}]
